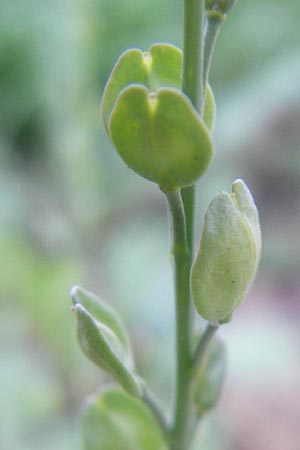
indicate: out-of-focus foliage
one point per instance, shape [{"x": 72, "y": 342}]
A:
[
  {"x": 116, "y": 420},
  {"x": 70, "y": 212}
]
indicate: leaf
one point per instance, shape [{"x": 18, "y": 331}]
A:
[
  {"x": 160, "y": 136},
  {"x": 210, "y": 377},
  {"x": 114, "y": 420}
]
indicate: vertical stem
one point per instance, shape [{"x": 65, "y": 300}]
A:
[
  {"x": 214, "y": 22},
  {"x": 182, "y": 216},
  {"x": 183, "y": 344},
  {"x": 192, "y": 83},
  {"x": 192, "y": 86}
]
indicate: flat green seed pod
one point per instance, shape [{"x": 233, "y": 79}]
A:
[
  {"x": 228, "y": 256},
  {"x": 160, "y": 136},
  {"x": 209, "y": 378},
  {"x": 161, "y": 66},
  {"x": 114, "y": 420}
]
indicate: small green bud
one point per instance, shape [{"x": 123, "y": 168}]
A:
[
  {"x": 228, "y": 255},
  {"x": 209, "y": 378},
  {"x": 152, "y": 124},
  {"x": 103, "y": 340}
]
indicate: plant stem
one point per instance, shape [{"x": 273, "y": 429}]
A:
[
  {"x": 183, "y": 345},
  {"x": 192, "y": 86},
  {"x": 204, "y": 342},
  {"x": 154, "y": 405},
  {"x": 214, "y": 22},
  {"x": 192, "y": 83}
]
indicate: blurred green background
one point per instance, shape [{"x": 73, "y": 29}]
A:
[{"x": 71, "y": 213}]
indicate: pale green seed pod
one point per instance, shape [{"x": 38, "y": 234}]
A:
[{"x": 229, "y": 254}]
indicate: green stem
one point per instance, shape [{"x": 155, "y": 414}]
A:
[
  {"x": 192, "y": 86},
  {"x": 189, "y": 200},
  {"x": 204, "y": 342},
  {"x": 153, "y": 404},
  {"x": 214, "y": 22},
  {"x": 183, "y": 319},
  {"x": 192, "y": 83},
  {"x": 198, "y": 357}
]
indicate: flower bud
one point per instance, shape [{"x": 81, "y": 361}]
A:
[
  {"x": 209, "y": 378},
  {"x": 103, "y": 339},
  {"x": 228, "y": 256}
]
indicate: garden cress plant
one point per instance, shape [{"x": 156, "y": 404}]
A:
[{"x": 159, "y": 112}]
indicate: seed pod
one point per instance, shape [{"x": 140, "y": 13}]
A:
[
  {"x": 160, "y": 67},
  {"x": 228, "y": 255},
  {"x": 160, "y": 136},
  {"x": 152, "y": 124}
]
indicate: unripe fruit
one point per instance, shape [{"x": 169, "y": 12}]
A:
[
  {"x": 228, "y": 256},
  {"x": 152, "y": 124}
]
